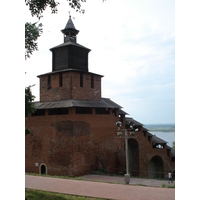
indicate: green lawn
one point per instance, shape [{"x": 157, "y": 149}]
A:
[{"x": 38, "y": 194}]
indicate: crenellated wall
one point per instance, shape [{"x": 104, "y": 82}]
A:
[{"x": 71, "y": 86}]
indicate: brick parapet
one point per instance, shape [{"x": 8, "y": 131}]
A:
[{"x": 71, "y": 88}]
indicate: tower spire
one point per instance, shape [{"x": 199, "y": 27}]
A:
[{"x": 70, "y": 31}]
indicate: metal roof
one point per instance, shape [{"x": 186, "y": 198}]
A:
[
  {"x": 70, "y": 24},
  {"x": 149, "y": 134},
  {"x": 158, "y": 140},
  {"x": 129, "y": 119},
  {"x": 155, "y": 139},
  {"x": 69, "y": 43},
  {"x": 103, "y": 103},
  {"x": 121, "y": 112},
  {"x": 145, "y": 129},
  {"x": 168, "y": 147},
  {"x": 70, "y": 70},
  {"x": 70, "y": 28}
]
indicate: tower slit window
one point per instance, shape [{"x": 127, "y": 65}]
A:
[
  {"x": 92, "y": 81},
  {"x": 49, "y": 82},
  {"x": 81, "y": 79},
  {"x": 60, "y": 80}
]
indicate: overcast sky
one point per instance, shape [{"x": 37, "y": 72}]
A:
[{"x": 132, "y": 44}]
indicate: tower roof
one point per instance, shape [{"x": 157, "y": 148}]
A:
[
  {"x": 70, "y": 28},
  {"x": 70, "y": 24},
  {"x": 70, "y": 54},
  {"x": 68, "y": 43}
]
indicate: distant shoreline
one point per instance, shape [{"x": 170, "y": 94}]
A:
[
  {"x": 163, "y": 131},
  {"x": 162, "y": 124}
]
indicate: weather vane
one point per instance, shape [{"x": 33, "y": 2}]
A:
[{"x": 70, "y": 14}]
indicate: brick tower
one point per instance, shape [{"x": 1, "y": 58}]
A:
[
  {"x": 73, "y": 130},
  {"x": 73, "y": 126},
  {"x": 70, "y": 78}
]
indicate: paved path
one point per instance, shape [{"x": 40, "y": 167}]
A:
[
  {"x": 98, "y": 189},
  {"x": 133, "y": 181}
]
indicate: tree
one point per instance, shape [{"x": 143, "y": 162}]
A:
[
  {"x": 29, "y": 106},
  {"x": 37, "y": 7},
  {"x": 34, "y": 31}
]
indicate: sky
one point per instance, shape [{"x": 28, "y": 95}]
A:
[{"x": 132, "y": 45}]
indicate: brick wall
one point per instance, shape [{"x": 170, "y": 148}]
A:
[
  {"x": 146, "y": 153},
  {"x": 70, "y": 88},
  {"x": 76, "y": 144},
  {"x": 70, "y": 144}
]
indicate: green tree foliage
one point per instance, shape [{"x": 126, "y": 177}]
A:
[
  {"x": 29, "y": 98},
  {"x": 32, "y": 32},
  {"x": 29, "y": 106},
  {"x": 37, "y": 7}
]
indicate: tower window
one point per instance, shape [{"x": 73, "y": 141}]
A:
[
  {"x": 60, "y": 80},
  {"x": 39, "y": 112},
  {"x": 102, "y": 110},
  {"x": 49, "y": 82},
  {"x": 58, "y": 111},
  {"x": 81, "y": 79},
  {"x": 83, "y": 110},
  {"x": 92, "y": 81}
]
